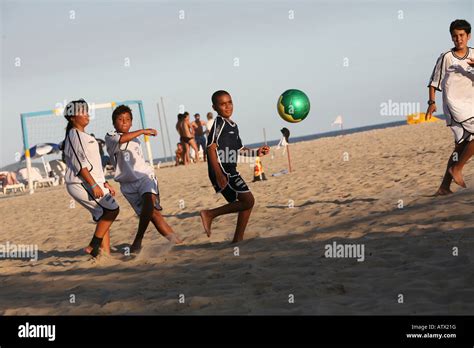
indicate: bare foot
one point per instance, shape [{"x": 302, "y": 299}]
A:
[
  {"x": 206, "y": 221},
  {"x": 443, "y": 191},
  {"x": 173, "y": 237},
  {"x": 88, "y": 250},
  {"x": 457, "y": 176},
  {"x": 105, "y": 251}
]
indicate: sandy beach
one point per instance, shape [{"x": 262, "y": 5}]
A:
[{"x": 373, "y": 189}]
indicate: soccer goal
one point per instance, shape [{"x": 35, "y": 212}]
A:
[{"x": 49, "y": 127}]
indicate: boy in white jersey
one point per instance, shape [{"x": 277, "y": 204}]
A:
[
  {"x": 453, "y": 75},
  {"x": 84, "y": 178},
  {"x": 137, "y": 178}
]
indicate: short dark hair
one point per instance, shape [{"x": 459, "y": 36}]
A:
[
  {"x": 218, "y": 94},
  {"x": 186, "y": 113},
  {"x": 197, "y": 114},
  {"x": 460, "y": 24},
  {"x": 119, "y": 110}
]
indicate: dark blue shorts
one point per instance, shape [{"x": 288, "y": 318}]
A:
[
  {"x": 235, "y": 185},
  {"x": 201, "y": 141}
]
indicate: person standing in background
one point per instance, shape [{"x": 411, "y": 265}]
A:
[{"x": 199, "y": 136}]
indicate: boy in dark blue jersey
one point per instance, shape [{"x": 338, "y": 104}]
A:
[{"x": 223, "y": 149}]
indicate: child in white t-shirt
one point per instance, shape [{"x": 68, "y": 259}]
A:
[
  {"x": 84, "y": 178},
  {"x": 453, "y": 76},
  {"x": 137, "y": 178}
]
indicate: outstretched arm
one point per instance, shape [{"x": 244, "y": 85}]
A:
[
  {"x": 261, "y": 151},
  {"x": 126, "y": 137}
]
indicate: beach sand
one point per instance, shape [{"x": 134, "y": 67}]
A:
[{"x": 379, "y": 198}]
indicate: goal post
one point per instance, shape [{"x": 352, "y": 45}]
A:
[{"x": 49, "y": 127}]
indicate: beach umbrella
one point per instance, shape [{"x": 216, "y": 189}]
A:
[{"x": 41, "y": 150}]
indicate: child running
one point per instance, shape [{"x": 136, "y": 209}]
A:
[
  {"x": 137, "y": 178},
  {"x": 84, "y": 178},
  {"x": 224, "y": 146},
  {"x": 453, "y": 76}
]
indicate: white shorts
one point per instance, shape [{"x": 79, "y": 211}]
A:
[
  {"x": 462, "y": 131},
  {"x": 96, "y": 206},
  {"x": 134, "y": 191}
]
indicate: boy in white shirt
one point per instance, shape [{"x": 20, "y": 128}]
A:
[
  {"x": 137, "y": 178},
  {"x": 453, "y": 76}
]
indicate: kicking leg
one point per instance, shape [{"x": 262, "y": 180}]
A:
[
  {"x": 244, "y": 204},
  {"x": 456, "y": 169},
  {"x": 243, "y": 217},
  {"x": 148, "y": 203},
  {"x": 163, "y": 228}
]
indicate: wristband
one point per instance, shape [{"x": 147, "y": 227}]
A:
[
  {"x": 431, "y": 102},
  {"x": 93, "y": 186}
]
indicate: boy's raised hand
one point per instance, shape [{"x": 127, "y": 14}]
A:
[
  {"x": 150, "y": 131},
  {"x": 470, "y": 61},
  {"x": 264, "y": 150}
]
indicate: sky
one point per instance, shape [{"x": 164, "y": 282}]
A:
[{"x": 350, "y": 57}]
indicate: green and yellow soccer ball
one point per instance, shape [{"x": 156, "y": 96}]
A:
[{"x": 293, "y": 106}]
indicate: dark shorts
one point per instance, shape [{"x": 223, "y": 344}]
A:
[
  {"x": 201, "y": 141},
  {"x": 234, "y": 186},
  {"x": 185, "y": 140}
]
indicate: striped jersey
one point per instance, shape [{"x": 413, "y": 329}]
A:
[
  {"x": 455, "y": 79},
  {"x": 127, "y": 158},
  {"x": 81, "y": 150}
]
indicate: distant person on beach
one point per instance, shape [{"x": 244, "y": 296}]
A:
[
  {"x": 8, "y": 178},
  {"x": 179, "y": 154},
  {"x": 186, "y": 137},
  {"x": 198, "y": 127},
  {"x": 224, "y": 146},
  {"x": 453, "y": 76},
  {"x": 178, "y": 129},
  {"x": 85, "y": 181},
  {"x": 137, "y": 178},
  {"x": 210, "y": 122}
]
